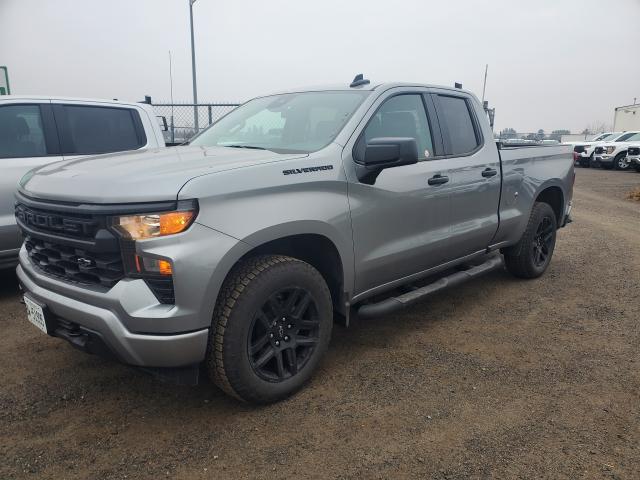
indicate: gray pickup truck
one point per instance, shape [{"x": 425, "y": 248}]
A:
[{"x": 232, "y": 256}]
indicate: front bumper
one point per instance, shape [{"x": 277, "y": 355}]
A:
[
  {"x": 603, "y": 159},
  {"x": 128, "y": 347},
  {"x": 128, "y": 318}
]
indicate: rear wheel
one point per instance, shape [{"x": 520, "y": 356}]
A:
[
  {"x": 271, "y": 326},
  {"x": 586, "y": 162},
  {"x": 531, "y": 256},
  {"x": 637, "y": 167},
  {"x": 621, "y": 162}
]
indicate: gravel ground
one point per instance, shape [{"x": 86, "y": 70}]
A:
[{"x": 499, "y": 378}]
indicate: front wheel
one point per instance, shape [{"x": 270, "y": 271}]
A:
[
  {"x": 530, "y": 257},
  {"x": 621, "y": 162},
  {"x": 271, "y": 326}
]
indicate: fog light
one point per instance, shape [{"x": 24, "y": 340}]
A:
[{"x": 153, "y": 265}]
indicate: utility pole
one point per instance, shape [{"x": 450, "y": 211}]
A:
[
  {"x": 173, "y": 130},
  {"x": 193, "y": 69},
  {"x": 484, "y": 87}
]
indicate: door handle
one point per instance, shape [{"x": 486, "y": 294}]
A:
[
  {"x": 438, "y": 179},
  {"x": 489, "y": 172}
]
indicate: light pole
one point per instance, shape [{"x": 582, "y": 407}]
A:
[{"x": 193, "y": 69}]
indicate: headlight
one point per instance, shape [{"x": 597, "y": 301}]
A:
[
  {"x": 151, "y": 225},
  {"x": 610, "y": 149}
]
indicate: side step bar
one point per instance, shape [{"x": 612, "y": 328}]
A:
[{"x": 392, "y": 304}]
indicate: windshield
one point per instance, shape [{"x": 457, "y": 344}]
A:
[
  {"x": 610, "y": 136},
  {"x": 633, "y": 137},
  {"x": 628, "y": 136},
  {"x": 602, "y": 136},
  {"x": 288, "y": 123}
]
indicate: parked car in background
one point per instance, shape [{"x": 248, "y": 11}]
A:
[
  {"x": 614, "y": 154},
  {"x": 233, "y": 253},
  {"x": 583, "y": 151},
  {"x": 36, "y": 131},
  {"x": 633, "y": 156}
]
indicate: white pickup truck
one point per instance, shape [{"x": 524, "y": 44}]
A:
[
  {"x": 36, "y": 131},
  {"x": 613, "y": 154},
  {"x": 583, "y": 151}
]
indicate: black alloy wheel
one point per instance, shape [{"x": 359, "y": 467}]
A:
[
  {"x": 284, "y": 334},
  {"x": 542, "y": 245}
]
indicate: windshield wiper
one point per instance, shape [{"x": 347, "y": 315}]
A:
[{"x": 252, "y": 147}]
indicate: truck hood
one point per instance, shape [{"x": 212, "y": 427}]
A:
[{"x": 139, "y": 176}]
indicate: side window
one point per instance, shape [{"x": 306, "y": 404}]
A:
[
  {"x": 103, "y": 129},
  {"x": 456, "y": 116},
  {"x": 21, "y": 132},
  {"x": 402, "y": 116}
]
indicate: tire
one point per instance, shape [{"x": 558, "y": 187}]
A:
[
  {"x": 524, "y": 259},
  {"x": 619, "y": 163},
  {"x": 637, "y": 167},
  {"x": 607, "y": 166},
  {"x": 586, "y": 163},
  {"x": 270, "y": 307}
]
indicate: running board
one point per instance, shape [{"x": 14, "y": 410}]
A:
[{"x": 396, "y": 303}]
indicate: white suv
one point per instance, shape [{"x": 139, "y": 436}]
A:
[{"x": 614, "y": 154}]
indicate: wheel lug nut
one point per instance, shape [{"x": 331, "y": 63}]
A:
[
  {"x": 289, "y": 326},
  {"x": 286, "y": 338},
  {"x": 271, "y": 335},
  {"x": 277, "y": 343}
]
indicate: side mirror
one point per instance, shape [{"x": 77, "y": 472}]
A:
[
  {"x": 162, "y": 121},
  {"x": 386, "y": 152}
]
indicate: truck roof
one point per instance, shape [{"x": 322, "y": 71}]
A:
[
  {"x": 371, "y": 86},
  {"x": 66, "y": 99}
]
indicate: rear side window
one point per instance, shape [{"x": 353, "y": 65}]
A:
[
  {"x": 456, "y": 116},
  {"x": 103, "y": 129},
  {"x": 21, "y": 132}
]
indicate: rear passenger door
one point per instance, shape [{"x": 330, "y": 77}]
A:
[
  {"x": 474, "y": 166},
  {"x": 96, "y": 129}
]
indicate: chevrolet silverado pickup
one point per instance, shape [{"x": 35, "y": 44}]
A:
[
  {"x": 232, "y": 256},
  {"x": 36, "y": 131}
]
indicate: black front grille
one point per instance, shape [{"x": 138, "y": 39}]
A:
[
  {"x": 76, "y": 265},
  {"x": 578, "y": 149},
  {"x": 72, "y": 225},
  {"x": 634, "y": 151},
  {"x": 599, "y": 150},
  {"x": 75, "y": 244}
]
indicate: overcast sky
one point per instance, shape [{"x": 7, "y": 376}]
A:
[{"x": 552, "y": 63}]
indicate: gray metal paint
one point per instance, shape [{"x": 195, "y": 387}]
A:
[{"x": 386, "y": 234}]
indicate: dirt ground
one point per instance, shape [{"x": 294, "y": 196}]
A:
[{"x": 500, "y": 378}]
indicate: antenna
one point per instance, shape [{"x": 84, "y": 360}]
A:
[
  {"x": 359, "y": 80},
  {"x": 484, "y": 87}
]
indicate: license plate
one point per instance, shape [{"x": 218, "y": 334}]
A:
[{"x": 35, "y": 314}]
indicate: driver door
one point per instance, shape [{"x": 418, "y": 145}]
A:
[{"x": 401, "y": 223}]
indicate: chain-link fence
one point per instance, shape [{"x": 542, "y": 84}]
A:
[
  {"x": 181, "y": 121},
  {"x": 507, "y": 137}
]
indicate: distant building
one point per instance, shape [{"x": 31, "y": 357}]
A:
[{"x": 627, "y": 118}]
